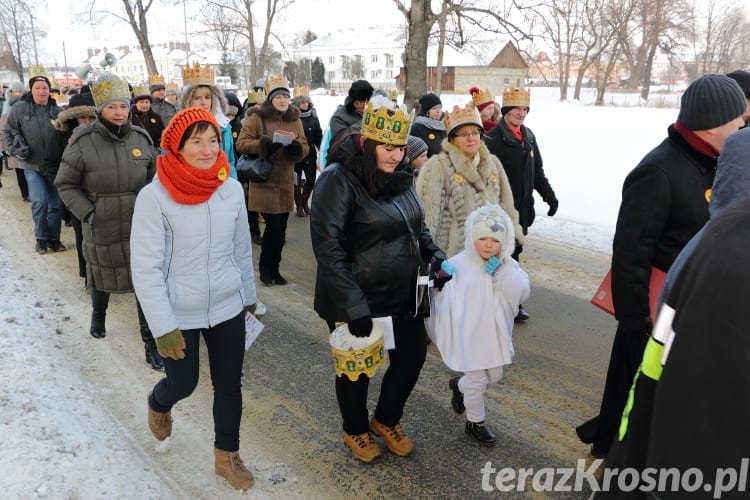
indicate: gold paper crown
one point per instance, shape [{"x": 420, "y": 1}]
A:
[
  {"x": 198, "y": 75},
  {"x": 156, "y": 80},
  {"x": 37, "y": 70},
  {"x": 353, "y": 362},
  {"x": 172, "y": 85},
  {"x": 141, "y": 90},
  {"x": 274, "y": 82},
  {"x": 481, "y": 96},
  {"x": 394, "y": 94},
  {"x": 256, "y": 96},
  {"x": 109, "y": 86},
  {"x": 468, "y": 115},
  {"x": 300, "y": 91},
  {"x": 382, "y": 127},
  {"x": 516, "y": 97}
]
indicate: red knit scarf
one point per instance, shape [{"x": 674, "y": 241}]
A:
[
  {"x": 696, "y": 142},
  {"x": 488, "y": 125},
  {"x": 190, "y": 185}
]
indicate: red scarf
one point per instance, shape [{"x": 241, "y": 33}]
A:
[
  {"x": 488, "y": 125},
  {"x": 190, "y": 185},
  {"x": 696, "y": 142}
]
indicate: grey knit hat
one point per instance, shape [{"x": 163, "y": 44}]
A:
[
  {"x": 711, "y": 101},
  {"x": 415, "y": 146}
]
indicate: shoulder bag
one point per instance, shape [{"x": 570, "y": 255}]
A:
[{"x": 253, "y": 168}]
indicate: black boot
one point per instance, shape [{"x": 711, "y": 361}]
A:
[
  {"x": 153, "y": 357},
  {"x": 266, "y": 277},
  {"x": 522, "y": 315},
  {"x": 99, "y": 303},
  {"x": 306, "y": 192},
  {"x": 457, "y": 399},
  {"x": 298, "y": 201},
  {"x": 478, "y": 431},
  {"x": 278, "y": 278}
]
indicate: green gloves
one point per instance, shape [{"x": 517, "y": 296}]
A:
[
  {"x": 171, "y": 345},
  {"x": 250, "y": 308}
]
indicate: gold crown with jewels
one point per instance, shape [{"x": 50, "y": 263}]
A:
[
  {"x": 353, "y": 356},
  {"x": 300, "y": 91},
  {"x": 109, "y": 86},
  {"x": 141, "y": 90},
  {"x": 274, "y": 82},
  {"x": 156, "y": 80},
  {"x": 198, "y": 75},
  {"x": 381, "y": 126},
  {"x": 468, "y": 115},
  {"x": 516, "y": 97},
  {"x": 37, "y": 70},
  {"x": 481, "y": 96}
]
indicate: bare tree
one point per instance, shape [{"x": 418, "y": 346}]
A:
[
  {"x": 240, "y": 19},
  {"x": 17, "y": 34},
  {"x": 134, "y": 13},
  {"x": 719, "y": 43}
]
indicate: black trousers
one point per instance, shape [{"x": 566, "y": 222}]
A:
[
  {"x": 78, "y": 230},
  {"x": 310, "y": 170},
  {"x": 225, "y": 343},
  {"x": 100, "y": 302},
  {"x": 273, "y": 241},
  {"x": 627, "y": 354},
  {"x": 404, "y": 365}
]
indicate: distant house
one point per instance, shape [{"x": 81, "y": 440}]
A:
[
  {"x": 375, "y": 54},
  {"x": 464, "y": 69}
]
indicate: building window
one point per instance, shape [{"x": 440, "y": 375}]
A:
[
  {"x": 518, "y": 83},
  {"x": 506, "y": 81},
  {"x": 389, "y": 60},
  {"x": 331, "y": 60},
  {"x": 374, "y": 58},
  {"x": 331, "y": 76}
]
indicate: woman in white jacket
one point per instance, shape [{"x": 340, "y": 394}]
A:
[{"x": 191, "y": 262}]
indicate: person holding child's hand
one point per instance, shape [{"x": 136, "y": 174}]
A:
[{"x": 471, "y": 319}]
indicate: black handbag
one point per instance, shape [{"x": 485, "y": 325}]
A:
[{"x": 253, "y": 168}]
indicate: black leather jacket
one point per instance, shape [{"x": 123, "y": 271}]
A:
[{"x": 367, "y": 256}]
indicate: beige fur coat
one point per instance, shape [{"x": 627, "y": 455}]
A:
[{"x": 451, "y": 187}]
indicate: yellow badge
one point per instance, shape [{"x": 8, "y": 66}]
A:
[
  {"x": 137, "y": 152},
  {"x": 707, "y": 195},
  {"x": 234, "y": 134},
  {"x": 459, "y": 178},
  {"x": 153, "y": 120},
  {"x": 431, "y": 136},
  {"x": 222, "y": 174},
  {"x": 493, "y": 179}
]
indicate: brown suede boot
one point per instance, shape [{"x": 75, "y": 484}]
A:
[
  {"x": 159, "y": 423},
  {"x": 228, "y": 465},
  {"x": 363, "y": 446},
  {"x": 395, "y": 438}
]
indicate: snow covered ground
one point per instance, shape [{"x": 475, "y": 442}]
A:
[{"x": 57, "y": 443}]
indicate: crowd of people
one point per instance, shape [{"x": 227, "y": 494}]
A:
[{"x": 445, "y": 197}]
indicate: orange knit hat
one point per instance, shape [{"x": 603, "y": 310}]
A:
[{"x": 170, "y": 139}]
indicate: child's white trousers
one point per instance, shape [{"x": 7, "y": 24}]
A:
[{"x": 473, "y": 385}]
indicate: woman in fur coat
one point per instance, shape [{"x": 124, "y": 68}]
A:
[{"x": 462, "y": 178}]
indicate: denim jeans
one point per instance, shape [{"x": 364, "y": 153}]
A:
[{"x": 46, "y": 206}]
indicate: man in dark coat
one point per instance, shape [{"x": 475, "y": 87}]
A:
[
  {"x": 348, "y": 116},
  {"x": 515, "y": 146},
  {"x": 664, "y": 203}
]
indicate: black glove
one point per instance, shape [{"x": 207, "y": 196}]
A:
[
  {"x": 361, "y": 327},
  {"x": 438, "y": 273},
  {"x": 642, "y": 326},
  {"x": 552, "y": 207},
  {"x": 293, "y": 149},
  {"x": 273, "y": 147}
]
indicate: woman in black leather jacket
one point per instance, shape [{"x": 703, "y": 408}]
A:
[{"x": 369, "y": 239}]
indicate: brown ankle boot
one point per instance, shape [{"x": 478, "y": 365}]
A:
[
  {"x": 395, "y": 438},
  {"x": 228, "y": 465},
  {"x": 159, "y": 423},
  {"x": 363, "y": 446}
]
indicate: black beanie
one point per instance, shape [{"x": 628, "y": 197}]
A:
[
  {"x": 361, "y": 90},
  {"x": 711, "y": 101},
  {"x": 81, "y": 100},
  {"x": 743, "y": 78},
  {"x": 427, "y": 102},
  {"x": 39, "y": 78}
]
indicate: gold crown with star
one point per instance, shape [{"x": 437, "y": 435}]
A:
[
  {"x": 516, "y": 97},
  {"x": 198, "y": 74},
  {"x": 109, "y": 86},
  {"x": 382, "y": 126},
  {"x": 156, "y": 80},
  {"x": 468, "y": 115}
]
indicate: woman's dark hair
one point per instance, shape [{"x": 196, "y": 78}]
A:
[{"x": 195, "y": 129}]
